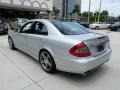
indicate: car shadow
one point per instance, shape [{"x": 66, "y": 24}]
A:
[
  {"x": 28, "y": 56},
  {"x": 91, "y": 76},
  {"x": 88, "y": 78},
  {"x": 3, "y": 35}
]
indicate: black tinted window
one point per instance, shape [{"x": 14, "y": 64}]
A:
[
  {"x": 70, "y": 28},
  {"x": 40, "y": 28},
  {"x": 27, "y": 28}
]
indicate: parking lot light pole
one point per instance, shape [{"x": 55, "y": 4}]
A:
[
  {"x": 99, "y": 10},
  {"x": 89, "y": 11}
]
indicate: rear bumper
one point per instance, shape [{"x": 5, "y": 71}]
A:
[{"x": 86, "y": 64}]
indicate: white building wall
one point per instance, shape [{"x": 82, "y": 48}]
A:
[{"x": 39, "y": 4}]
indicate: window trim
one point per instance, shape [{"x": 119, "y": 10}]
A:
[
  {"x": 62, "y": 31},
  {"x": 25, "y": 25},
  {"x": 35, "y": 26}
]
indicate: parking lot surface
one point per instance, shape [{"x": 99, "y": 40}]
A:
[{"x": 19, "y": 71}]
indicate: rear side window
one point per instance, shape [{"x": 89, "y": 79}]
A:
[
  {"x": 40, "y": 29},
  {"x": 70, "y": 28}
]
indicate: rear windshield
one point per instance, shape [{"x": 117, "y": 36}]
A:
[{"x": 70, "y": 28}]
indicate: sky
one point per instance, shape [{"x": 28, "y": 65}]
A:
[{"x": 113, "y": 6}]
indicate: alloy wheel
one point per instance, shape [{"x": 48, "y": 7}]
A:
[
  {"x": 10, "y": 42},
  {"x": 46, "y": 61}
]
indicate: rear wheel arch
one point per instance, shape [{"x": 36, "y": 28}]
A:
[
  {"x": 43, "y": 49},
  {"x": 49, "y": 51}
]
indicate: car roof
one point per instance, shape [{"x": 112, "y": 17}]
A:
[
  {"x": 39, "y": 20},
  {"x": 50, "y": 20},
  {"x": 54, "y": 30}
]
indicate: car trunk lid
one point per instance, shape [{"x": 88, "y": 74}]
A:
[{"x": 96, "y": 43}]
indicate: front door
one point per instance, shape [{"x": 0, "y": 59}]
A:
[
  {"x": 22, "y": 37},
  {"x": 38, "y": 38}
]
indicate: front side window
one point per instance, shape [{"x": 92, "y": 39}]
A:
[
  {"x": 26, "y": 28},
  {"x": 70, "y": 28},
  {"x": 41, "y": 29}
]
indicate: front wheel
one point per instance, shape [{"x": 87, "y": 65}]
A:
[
  {"x": 11, "y": 44},
  {"x": 47, "y": 62},
  {"x": 97, "y": 28}
]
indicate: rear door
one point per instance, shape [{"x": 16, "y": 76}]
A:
[{"x": 38, "y": 38}]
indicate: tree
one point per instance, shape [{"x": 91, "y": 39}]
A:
[
  {"x": 76, "y": 9},
  {"x": 94, "y": 15},
  {"x": 105, "y": 13},
  {"x": 85, "y": 15},
  {"x": 103, "y": 16}
]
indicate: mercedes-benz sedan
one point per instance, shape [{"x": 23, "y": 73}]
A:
[{"x": 61, "y": 45}]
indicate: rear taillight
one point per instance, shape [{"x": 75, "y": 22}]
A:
[{"x": 80, "y": 50}]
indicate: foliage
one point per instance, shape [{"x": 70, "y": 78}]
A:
[
  {"x": 94, "y": 16},
  {"x": 85, "y": 15},
  {"x": 76, "y": 9}
]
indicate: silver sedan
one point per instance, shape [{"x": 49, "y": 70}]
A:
[{"x": 61, "y": 45}]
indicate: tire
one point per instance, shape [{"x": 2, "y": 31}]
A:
[
  {"x": 11, "y": 44},
  {"x": 97, "y": 28},
  {"x": 47, "y": 62}
]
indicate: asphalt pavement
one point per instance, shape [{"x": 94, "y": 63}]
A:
[{"x": 19, "y": 71}]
